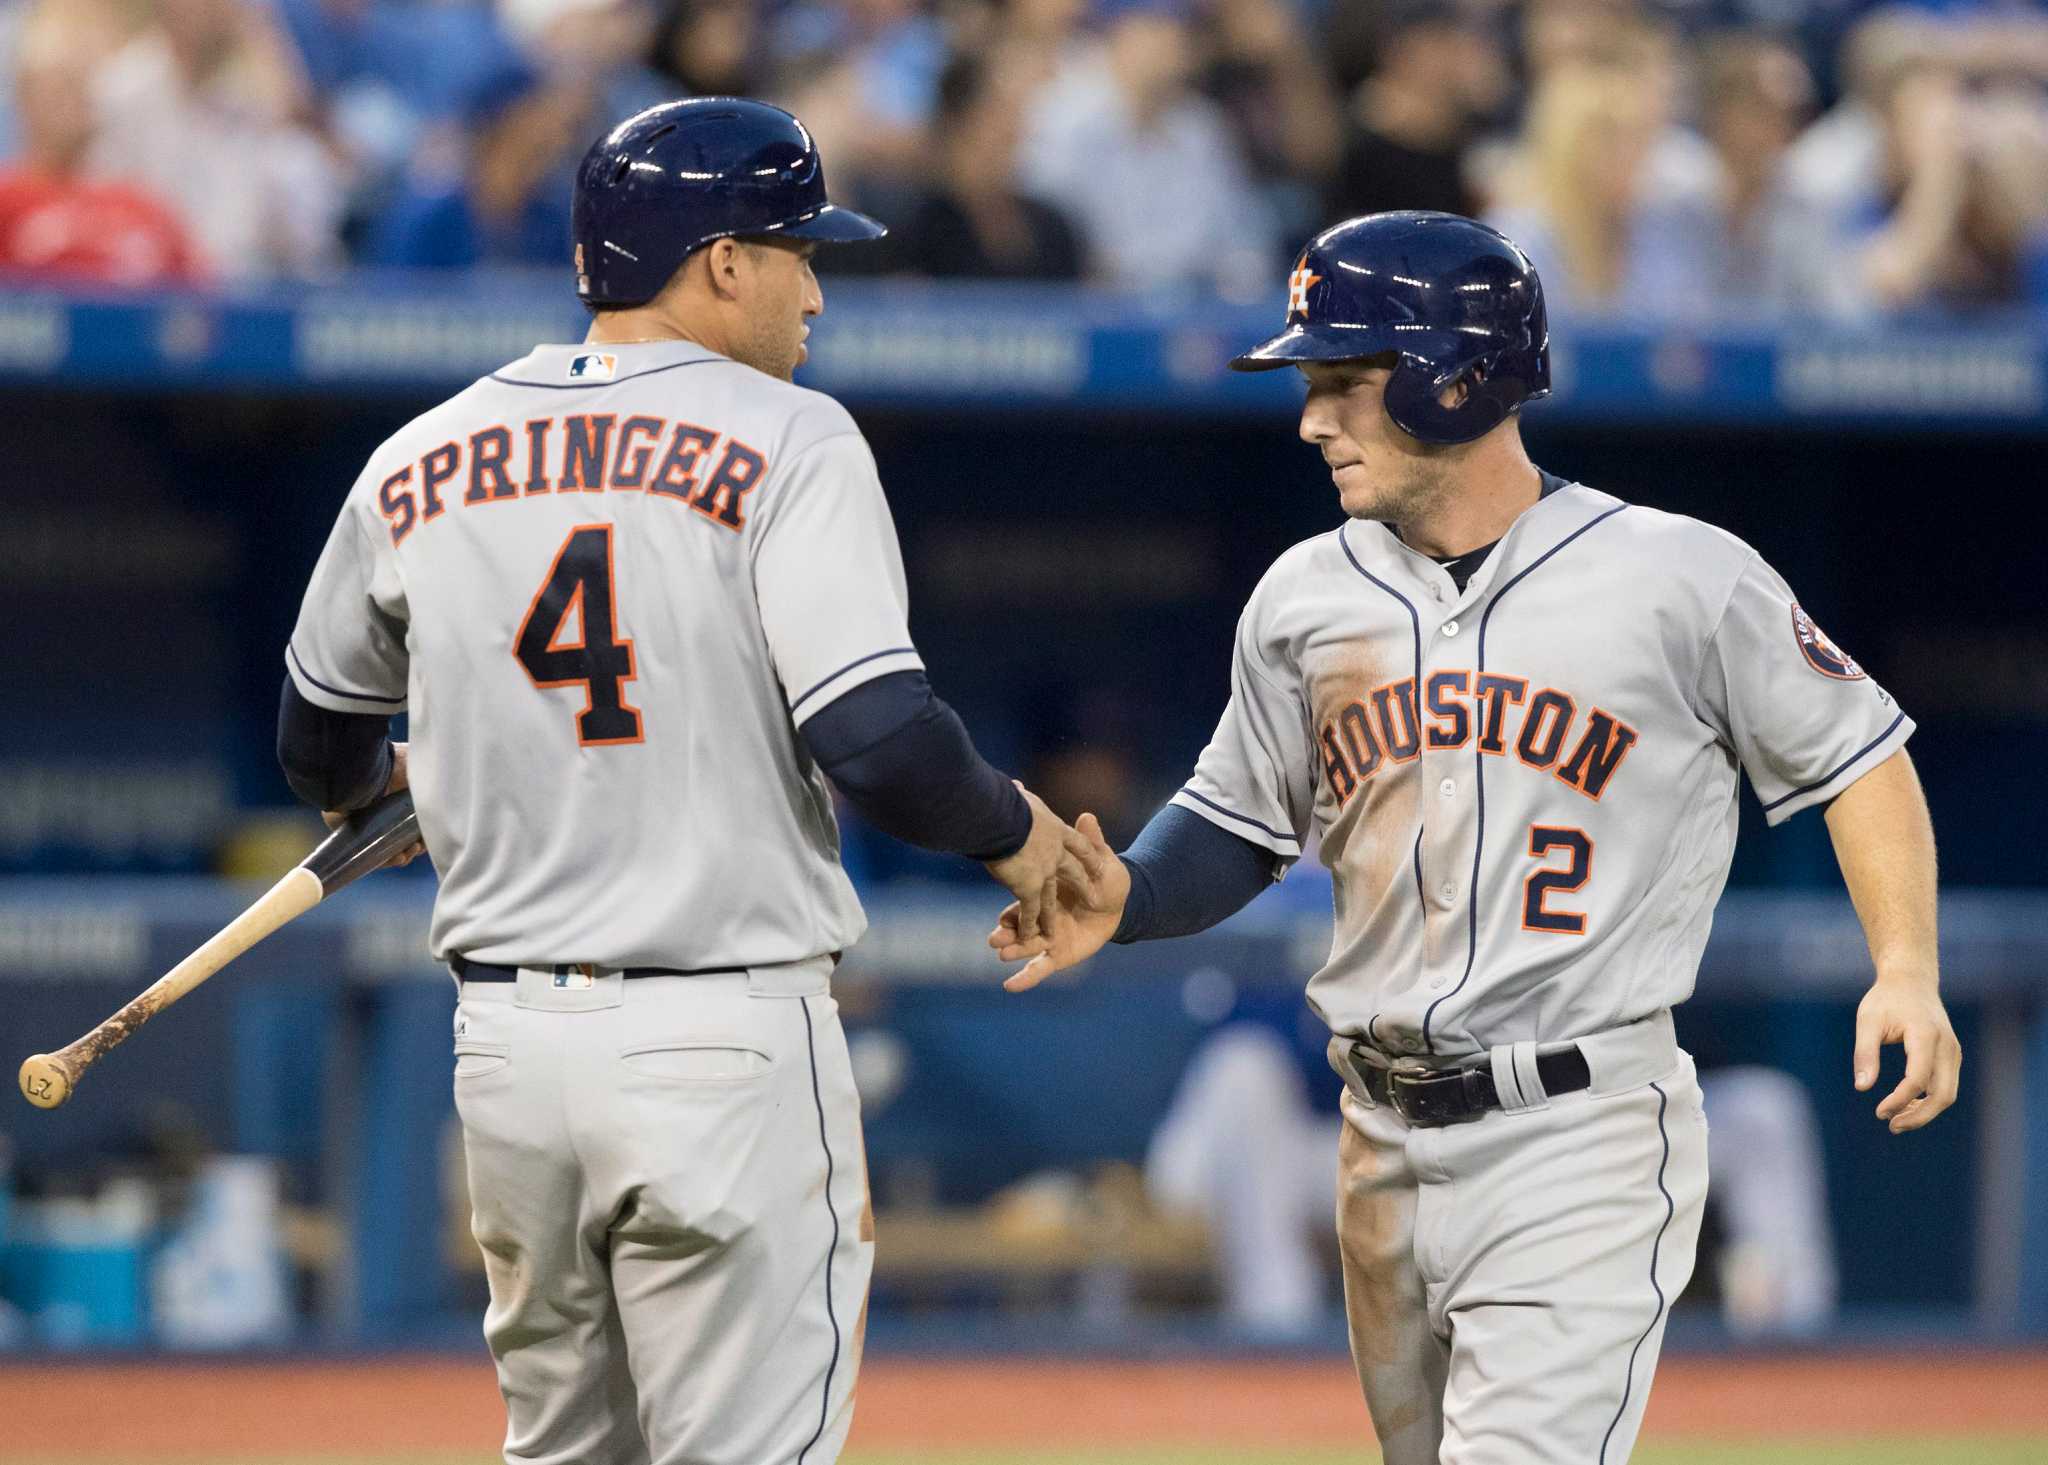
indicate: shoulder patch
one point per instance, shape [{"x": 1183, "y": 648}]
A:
[{"x": 1823, "y": 655}]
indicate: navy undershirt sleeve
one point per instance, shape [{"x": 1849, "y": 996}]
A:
[
  {"x": 902, "y": 757},
  {"x": 332, "y": 760},
  {"x": 1187, "y": 875}
]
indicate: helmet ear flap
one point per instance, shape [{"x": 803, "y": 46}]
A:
[{"x": 1413, "y": 398}]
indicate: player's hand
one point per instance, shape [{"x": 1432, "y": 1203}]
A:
[
  {"x": 1083, "y": 916},
  {"x": 1908, "y": 1012},
  {"x": 1033, "y": 872},
  {"x": 392, "y": 785}
]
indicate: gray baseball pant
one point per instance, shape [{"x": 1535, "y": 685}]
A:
[
  {"x": 667, "y": 1180},
  {"x": 1508, "y": 1279}
]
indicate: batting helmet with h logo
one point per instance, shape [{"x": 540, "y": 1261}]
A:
[{"x": 1452, "y": 300}]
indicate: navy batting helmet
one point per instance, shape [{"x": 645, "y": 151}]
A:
[
  {"x": 669, "y": 180},
  {"x": 1452, "y": 299}
]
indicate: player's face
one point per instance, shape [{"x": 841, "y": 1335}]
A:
[
  {"x": 1380, "y": 471},
  {"x": 784, "y": 296}
]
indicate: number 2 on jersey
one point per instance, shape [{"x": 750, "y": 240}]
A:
[
  {"x": 1536, "y": 914},
  {"x": 580, "y": 581}
]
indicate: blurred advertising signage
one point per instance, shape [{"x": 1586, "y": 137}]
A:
[
  {"x": 56, "y": 943},
  {"x": 873, "y": 350},
  {"x": 392, "y": 944},
  {"x": 357, "y": 339},
  {"x": 111, "y": 814},
  {"x": 1963, "y": 375}
]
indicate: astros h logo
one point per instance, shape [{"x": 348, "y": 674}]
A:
[{"x": 1297, "y": 289}]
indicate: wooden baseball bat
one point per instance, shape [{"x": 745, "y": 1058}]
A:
[{"x": 364, "y": 842}]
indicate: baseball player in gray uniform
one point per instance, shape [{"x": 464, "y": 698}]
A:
[
  {"x": 1513, "y": 711},
  {"x": 639, "y": 596}
]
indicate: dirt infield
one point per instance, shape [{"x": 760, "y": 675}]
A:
[{"x": 217, "y": 1412}]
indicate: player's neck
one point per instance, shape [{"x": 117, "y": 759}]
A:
[
  {"x": 646, "y": 323},
  {"x": 1493, "y": 490}
]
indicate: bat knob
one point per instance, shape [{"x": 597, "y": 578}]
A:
[{"x": 45, "y": 1081}]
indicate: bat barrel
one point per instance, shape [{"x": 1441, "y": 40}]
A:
[{"x": 46, "y": 1080}]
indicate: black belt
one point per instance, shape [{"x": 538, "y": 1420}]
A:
[
  {"x": 483, "y": 971},
  {"x": 1431, "y": 1097}
]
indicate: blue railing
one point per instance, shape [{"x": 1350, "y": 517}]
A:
[
  {"x": 958, "y": 346},
  {"x": 327, "y": 1047}
]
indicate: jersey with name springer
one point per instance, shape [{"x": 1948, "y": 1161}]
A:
[{"x": 608, "y": 585}]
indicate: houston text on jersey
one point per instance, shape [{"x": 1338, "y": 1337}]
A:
[{"x": 1387, "y": 727}]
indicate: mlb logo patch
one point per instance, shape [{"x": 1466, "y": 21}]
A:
[
  {"x": 574, "y": 978},
  {"x": 593, "y": 366}
]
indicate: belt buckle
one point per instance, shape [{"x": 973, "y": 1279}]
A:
[
  {"x": 1402, "y": 1079},
  {"x": 1459, "y": 1094}
]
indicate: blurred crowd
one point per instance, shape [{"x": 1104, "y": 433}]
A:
[{"x": 1657, "y": 158}]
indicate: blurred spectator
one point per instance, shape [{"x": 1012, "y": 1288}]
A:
[
  {"x": 1270, "y": 79},
  {"x": 204, "y": 108},
  {"x": 972, "y": 223},
  {"x": 1609, "y": 232},
  {"x": 396, "y": 83},
  {"x": 2006, "y": 223},
  {"x": 708, "y": 48},
  {"x": 1557, "y": 34},
  {"x": 1926, "y": 185},
  {"x": 12, "y": 17},
  {"x": 1148, "y": 168},
  {"x": 55, "y": 222},
  {"x": 1582, "y": 36},
  {"x": 1245, "y": 1147},
  {"x": 499, "y": 194},
  {"x": 1046, "y": 30},
  {"x": 1438, "y": 77},
  {"x": 1755, "y": 96},
  {"x": 1767, "y": 1181},
  {"x": 864, "y": 76}
]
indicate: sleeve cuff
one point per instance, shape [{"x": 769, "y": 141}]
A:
[
  {"x": 1886, "y": 743},
  {"x": 336, "y": 698},
  {"x": 1285, "y": 845},
  {"x": 862, "y": 669}
]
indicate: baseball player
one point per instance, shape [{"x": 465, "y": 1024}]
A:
[
  {"x": 1513, "y": 709},
  {"x": 640, "y": 596}
]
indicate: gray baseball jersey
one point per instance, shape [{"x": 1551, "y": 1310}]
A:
[
  {"x": 1526, "y": 793},
  {"x": 608, "y": 583}
]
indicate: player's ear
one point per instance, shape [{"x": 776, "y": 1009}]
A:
[
  {"x": 724, "y": 260},
  {"x": 1455, "y": 394}
]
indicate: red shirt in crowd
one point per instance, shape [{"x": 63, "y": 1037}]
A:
[{"x": 80, "y": 230}]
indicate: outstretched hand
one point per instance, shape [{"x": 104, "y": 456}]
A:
[
  {"x": 1077, "y": 919},
  {"x": 1032, "y": 874}
]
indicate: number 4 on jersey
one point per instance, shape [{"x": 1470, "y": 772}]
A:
[{"x": 580, "y": 581}]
